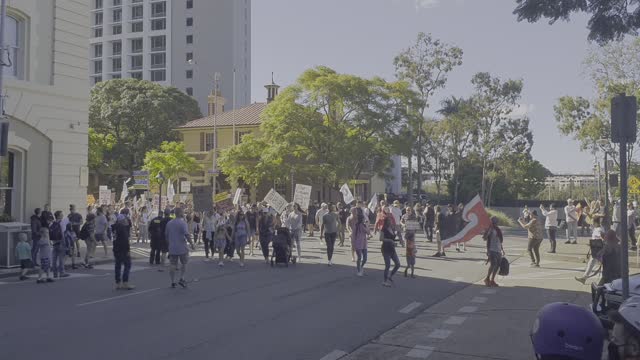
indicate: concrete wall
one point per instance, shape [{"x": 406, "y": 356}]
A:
[{"x": 48, "y": 107}]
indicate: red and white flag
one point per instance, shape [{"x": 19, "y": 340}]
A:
[{"x": 477, "y": 221}]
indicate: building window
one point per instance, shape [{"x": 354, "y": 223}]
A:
[
  {"x": 136, "y": 45},
  {"x": 117, "y": 2},
  {"x": 189, "y": 91},
  {"x": 98, "y": 4},
  {"x": 189, "y": 56},
  {"x": 158, "y": 60},
  {"x": 158, "y": 43},
  {"x": 189, "y": 39},
  {"x": 209, "y": 141},
  {"x": 97, "y": 32},
  {"x": 97, "y": 50},
  {"x": 116, "y": 76},
  {"x": 6, "y": 184},
  {"x": 189, "y": 21},
  {"x": 97, "y": 79},
  {"x": 98, "y": 19},
  {"x": 189, "y": 74},
  {"x": 97, "y": 67},
  {"x": 158, "y": 75},
  {"x": 14, "y": 40},
  {"x": 116, "y": 64},
  {"x": 117, "y": 15},
  {"x": 116, "y": 29},
  {"x": 240, "y": 134},
  {"x": 189, "y": 4},
  {"x": 116, "y": 48},
  {"x": 158, "y": 24},
  {"x": 136, "y": 62},
  {"x": 137, "y": 12},
  {"x": 158, "y": 9},
  {"x": 137, "y": 27},
  {"x": 136, "y": 75}
]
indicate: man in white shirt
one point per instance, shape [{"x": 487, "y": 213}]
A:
[
  {"x": 397, "y": 216},
  {"x": 551, "y": 224},
  {"x": 572, "y": 222},
  {"x": 324, "y": 210}
]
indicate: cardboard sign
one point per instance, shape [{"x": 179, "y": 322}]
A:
[
  {"x": 222, "y": 197},
  {"x": 185, "y": 187},
  {"x": 202, "y": 196},
  {"x": 346, "y": 194},
  {"x": 277, "y": 202},
  {"x": 302, "y": 196},
  {"x": 237, "y": 196},
  {"x": 104, "y": 195},
  {"x": 412, "y": 225}
]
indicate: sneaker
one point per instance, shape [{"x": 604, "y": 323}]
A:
[
  {"x": 22, "y": 278},
  {"x": 551, "y": 252},
  {"x": 494, "y": 284},
  {"x": 580, "y": 279},
  {"x": 241, "y": 264},
  {"x": 329, "y": 263},
  {"x": 50, "y": 280},
  {"x": 173, "y": 285},
  {"x": 55, "y": 276},
  {"x": 536, "y": 265},
  {"x": 574, "y": 242},
  {"x": 64, "y": 275},
  {"x": 74, "y": 267},
  {"x": 221, "y": 263},
  {"x": 359, "y": 274},
  {"x": 127, "y": 286},
  {"x": 487, "y": 282},
  {"x": 458, "y": 249},
  {"x": 437, "y": 254},
  {"x": 386, "y": 284},
  {"x": 444, "y": 254},
  {"x": 568, "y": 242},
  {"x": 40, "y": 281},
  {"x": 182, "y": 283},
  {"x": 118, "y": 286}
]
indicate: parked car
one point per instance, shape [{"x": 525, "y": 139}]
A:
[{"x": 609, "y": 297}]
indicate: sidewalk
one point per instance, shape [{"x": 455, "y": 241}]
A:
[{"x": 479, "y": 322}]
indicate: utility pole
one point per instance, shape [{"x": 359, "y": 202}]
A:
[
  {"x": 216, "y": 92},
  {"x": 4, "y": 124}
]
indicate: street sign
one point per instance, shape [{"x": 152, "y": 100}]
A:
[
  {"x": 141, "y": 180},
  {"x": 213, "y": 172},
  {"x": 634, "y": 185}
]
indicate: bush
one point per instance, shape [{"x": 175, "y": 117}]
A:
[{"x": 503, "y": 219}]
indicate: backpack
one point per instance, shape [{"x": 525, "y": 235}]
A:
[
  {"x": 84, "y": 232},
  {"x": 55, "y": 232},
  {"x": 504, "y": 267}
]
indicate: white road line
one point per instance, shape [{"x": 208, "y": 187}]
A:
[
  {"x": 455, "y": 320},
  {"x": 118, "y": 297},
  {"x": 479, "y": 300},
  {"x": 468, "y": 309},
  {"x": 440, "y": 334},
  {"x": 489, "y": 291},
  {"x": 538, "y": 275},
  {"x": 409, "y": 308},
  {"x": 420, "y": 352},
  {"x": 334, "y": 355}
]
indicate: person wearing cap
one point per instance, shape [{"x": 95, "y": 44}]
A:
[
  {"x": 397, "y": 217},
  {"x": 551, "y": 224},
  {"x": 121, "y": 252},
  {"x": 324, "y": 210},
  {"x": 495, "y": 251},
  {"x": 571, "y": 215},
  {"x": 156, "y": 233}
]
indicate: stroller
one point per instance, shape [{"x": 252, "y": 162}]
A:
[{"x": 282, "y": 248}]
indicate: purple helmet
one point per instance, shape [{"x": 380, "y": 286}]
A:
[{"x": 567, "y": 331}]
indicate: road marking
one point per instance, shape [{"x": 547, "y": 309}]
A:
[
  {"x": 455, "y": 320},
  {"x": 479, "y": 300},
  {"x": 489, "y": 291},
  {"x": 539, "y": 275},
  {"x": 440, "y": 334},
  {"x": 334, "y": 355},
  {"x": 109, "y": 267},
  {"x": 420, "y": 352},
  {"x": 468, "y": 309},
  {"x": 118, "y": 297},
  {"x": 409, "y": 308}
]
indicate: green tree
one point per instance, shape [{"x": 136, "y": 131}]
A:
[
  {"x": 172, "y": 160},
  {"x": 610, "y": 19},
  {"x": 433, "y": 152},
  {"x": 425, "y": 65},
  {"x": 99, "y": 145},
  {"x": 139, "y": 115}
]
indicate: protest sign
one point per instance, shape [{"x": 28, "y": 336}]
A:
[
  {"x": 302, "y": 196},
  {"x": 202, "y": 198},
  {"x": 346, "y": 194},
  {"x": 277, "y": 202}
]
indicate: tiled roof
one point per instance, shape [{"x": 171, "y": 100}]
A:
[{"x": 248, "y": 115}]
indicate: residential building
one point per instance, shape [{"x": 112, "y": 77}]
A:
[
  {"x": 565, "y": 181},
  {"x": 47, "y": 106},
  {"x": 181, "y": 43}
]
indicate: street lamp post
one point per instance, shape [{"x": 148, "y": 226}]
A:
[
  {"x": 605, "y": 145},
  {"x": 160, "y": 178}
]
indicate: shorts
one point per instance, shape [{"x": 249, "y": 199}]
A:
[
  {"x": 100, "y": 237},
  {"x": 26, "y": 264},
  {"x": 411, "y": 260},
  {"x": 494, "y": 259},
  {"x": 184, "y": 259}
]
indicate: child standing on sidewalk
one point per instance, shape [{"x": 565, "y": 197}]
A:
[
  {"x": 23, "y": 254},
  {"x": 44, "y": 255}
]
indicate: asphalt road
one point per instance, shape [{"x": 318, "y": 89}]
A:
[{"x": 307, "y": 311}]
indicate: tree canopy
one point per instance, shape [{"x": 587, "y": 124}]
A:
[
  {"x": 138, "y": 116},
  {"x": 610, "y": 19},
  {"x": 172, "y": 160}
]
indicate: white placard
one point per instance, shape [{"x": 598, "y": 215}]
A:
[
  {"x": 185, "y": 187},
  {"x": 237, "y": 196},
  {"x": 277, "y": 202},
  {"x": 302, "y": 196},
  {"x": 412, "y": 225},
  {"x": 104, "y": 195},
  {"x": 346, "y": 194},
  {"x": 373, "y": 203}
]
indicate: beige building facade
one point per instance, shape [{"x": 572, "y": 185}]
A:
[{"x": 47, "y": 106}]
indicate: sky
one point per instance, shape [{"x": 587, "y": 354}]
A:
[{"x": 362, "y": 37}]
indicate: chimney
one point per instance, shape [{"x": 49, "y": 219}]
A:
[
  {"x": 272, "y": 90},
  {"x": 216, "y": 103}
]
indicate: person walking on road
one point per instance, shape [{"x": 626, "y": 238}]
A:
[
  {"x": 535, "y": 237},
  {"x": 429, "y": 221},
  {"x": 551, "y": 224},
  {"x": 76, "y": 222},
  {"x": 596, "y": 244},
  {"x": 397, "y": 217},
  {"x": 44, "y": 257},
  {"x": 23, "y": 255},
  {"x": 330, "y": 229},
  {"x": 343, "y": 214},
  {"x": 295, "y": 228},
  {"x": 240, "y": 235},
  {"x": 157, "y": 228},
  {"x": 252, "y": 218},
  {"x": 359, "y": 235},
  {"x": 102, "y": 223},
  {"x": 121, "y": 253},
  {"x": 266, "y": 230},
  {"x": 440, "y": 231},
  {"x": 385, "y": 225},
  {"x": 324, "y": 209},
  {"x": 409, "y": 221},
  {"x": 495, "y": 251},
  {"x": 143, "y": 225},
  {"x": 36, "y": 225},
  {"x": 610, "y": 255},
  {"x": 88, "y": 232},
  {"x": 59, "y": 250},
  {"x": 311, "y": 218},
  {"x": 571, "y": 215},
  {"x": 178, "y": 236},
  {"x": 221, "y": 238},
  {"x": 459, "y": 225},
  {"x": 209, "y": 224}
]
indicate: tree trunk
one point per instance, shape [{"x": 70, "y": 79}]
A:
[
  {"x": 410, "y": 175},
  {"x": 419, "y": 153}
]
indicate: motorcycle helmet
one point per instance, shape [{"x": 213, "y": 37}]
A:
[
  {"x": 629, "y": 316},
  {"x": 564, "y": 331}
]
